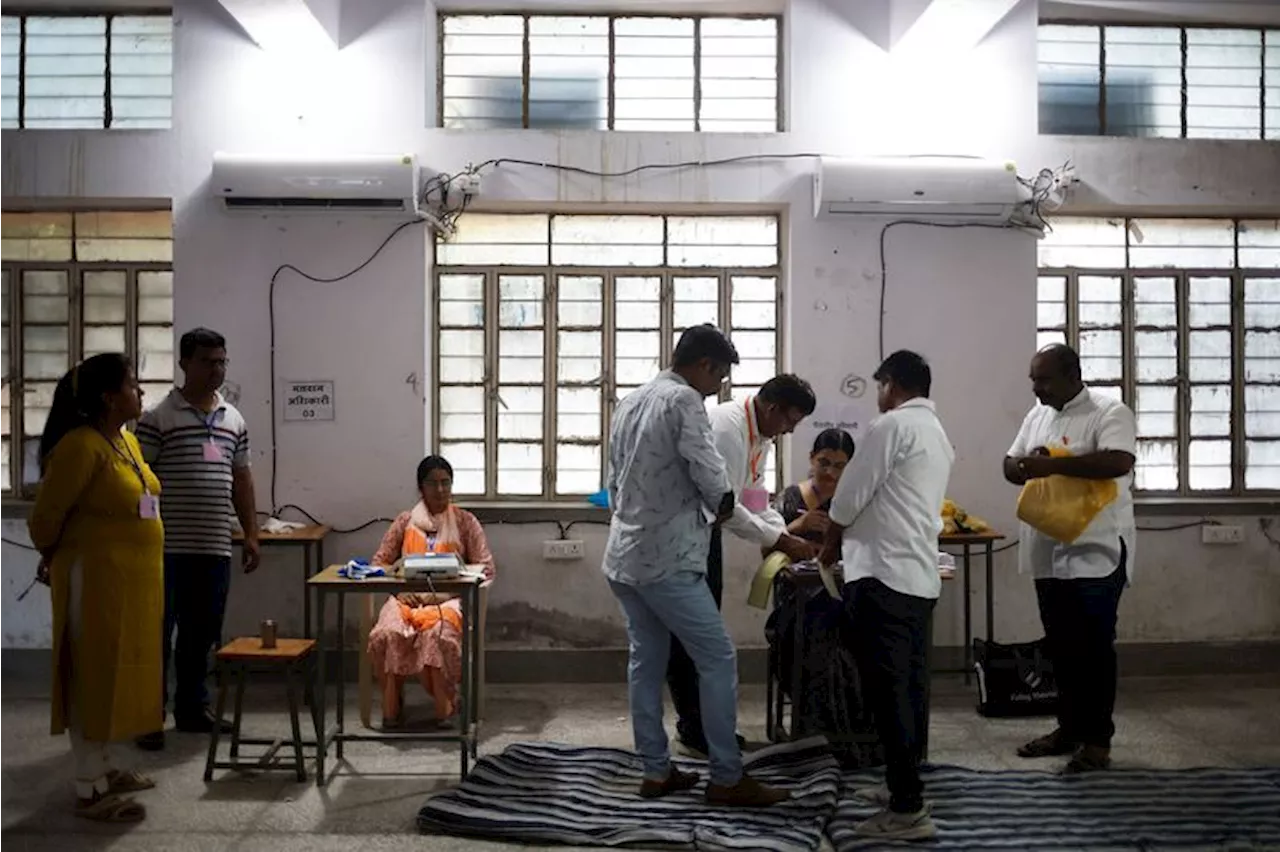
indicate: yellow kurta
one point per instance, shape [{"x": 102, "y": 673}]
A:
[{"x": 87, "y": 508}]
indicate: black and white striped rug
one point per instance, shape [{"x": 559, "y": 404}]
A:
[
  {"x": 552, "y": 793},
  {"x": 1235, "y": 809}
]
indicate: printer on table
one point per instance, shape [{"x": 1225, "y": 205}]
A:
[{"x": 438, "y": 566}]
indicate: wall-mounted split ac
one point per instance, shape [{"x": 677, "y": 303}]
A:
[
  {"x": 370, "y": 184},
  {"x": 931, "y": 189}
]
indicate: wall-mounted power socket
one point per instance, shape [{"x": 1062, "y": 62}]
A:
[
  {"x": 563, "y": 549},
  {"x": 1221, "y": 534}
]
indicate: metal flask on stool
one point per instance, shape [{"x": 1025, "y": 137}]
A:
[{"x": 268, "y": 634}]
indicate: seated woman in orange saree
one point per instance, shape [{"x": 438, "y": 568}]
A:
[{"x": 419, "y": 636}]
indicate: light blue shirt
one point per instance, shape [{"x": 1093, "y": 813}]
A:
[{"x": 665, "y": 478}]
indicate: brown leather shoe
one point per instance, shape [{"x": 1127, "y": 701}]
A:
[
  {"x": 747, "y": 793},
  {"x": 674, "y": 783},
  {"x": 1088, "y": 758},
  {"x": 1055, "y": 744}
]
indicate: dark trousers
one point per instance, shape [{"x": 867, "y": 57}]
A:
[
  {"x": 682, "y": 675},
  {"x": 889, "y": 631},
  {"x": 195, "y": 601},
  {"x": 1079, "y": 618}
]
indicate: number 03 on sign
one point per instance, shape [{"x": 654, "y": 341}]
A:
[{"x": 308, "y": 402}]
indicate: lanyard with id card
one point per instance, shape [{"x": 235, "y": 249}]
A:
[
  {"x": 148, "y": 503},
  {"x": 211, "y": 452},
  {"x": 756, "y": 500}
]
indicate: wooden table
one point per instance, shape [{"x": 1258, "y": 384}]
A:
[
  {"x": 311, "y": 540},
  {"x": 967, "y": 542},
  {"x": 467, "y": 588}
]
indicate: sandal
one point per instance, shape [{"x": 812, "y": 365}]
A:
[
  {"x": 111, "y": 808},
  {"x": 128, "y": 781}
]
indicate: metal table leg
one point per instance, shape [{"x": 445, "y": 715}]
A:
[
  {"x": 306, "y": 599},
  {"x": 340, "y": 710},
  {"x": 321, "y": 694},
  {"x": 464, "y": 720},
  {"x": 991, "y": 596},
  {"x": 968, "y": 612}
]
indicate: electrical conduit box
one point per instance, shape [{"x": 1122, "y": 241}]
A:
[{"x": 561, "y": 550}]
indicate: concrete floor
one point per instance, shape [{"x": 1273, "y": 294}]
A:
[{"x": 1172, "y": 723}]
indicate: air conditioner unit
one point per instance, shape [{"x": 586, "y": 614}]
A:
[
  {"x": 943, "y": 189},
  {"x": 374, "y": 184}
]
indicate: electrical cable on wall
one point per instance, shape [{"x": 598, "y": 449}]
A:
[{"x": 441, "y": 213}]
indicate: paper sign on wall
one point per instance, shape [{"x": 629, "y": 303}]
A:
[
  {"x": 852, "y": 417},
  {"x": 308, "y": 402}
]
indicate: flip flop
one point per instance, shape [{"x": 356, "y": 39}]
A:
[
  {"x": 111, "y": 808},
  {"x": 128, "y": 781}
]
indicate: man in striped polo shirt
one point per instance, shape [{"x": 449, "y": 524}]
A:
[{"x": 198, "y": 445}]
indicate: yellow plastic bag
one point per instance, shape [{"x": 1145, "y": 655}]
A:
[{"x": 1062, "y": 507}]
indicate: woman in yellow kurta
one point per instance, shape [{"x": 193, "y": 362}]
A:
[{"x": 96, "y": 523}]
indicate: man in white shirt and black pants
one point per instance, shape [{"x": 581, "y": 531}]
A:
[
  {"x": 744, "y": 432},
  {"x": 885, "y": 519},
  {"x": 1078, "y": 585}
]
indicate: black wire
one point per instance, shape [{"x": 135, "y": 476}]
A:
[
  {"x": 646, "y": 167},
  {"x": 884, "y": 269},
  {"x": 271, "y": 322},
  {"x": 20, "y": 544},
  {"x": 1203, "y": 522}
]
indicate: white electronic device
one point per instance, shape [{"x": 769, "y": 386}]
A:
[
  {"x": 419, "y": 566},
  {"x": 931, "y": 189},
  {"x": 376, "y": 184}
]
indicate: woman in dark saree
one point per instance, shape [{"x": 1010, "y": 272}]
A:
[{"x": 832, "y": 702}]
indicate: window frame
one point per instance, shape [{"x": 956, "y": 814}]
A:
[
  {"x": 1183, "y": 27},
  {"x": 76, "y": 325},
  {"x": 22, "y": 13},
  {"x": 780, "y": 126},
  {"x": 1237, "y": 275},
  {"x": 550, "y": 274}
]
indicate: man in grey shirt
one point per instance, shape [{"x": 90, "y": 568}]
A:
[{"x": 667, "y": 485}]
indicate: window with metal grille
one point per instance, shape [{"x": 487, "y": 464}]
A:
[
  {"x": 544, "y": 322},
  {"x": 75, "y": 285},
  {"x": 1161, "y": 81},
  {"x": 1181, "y": 319},
  {"x": 610, "y": 72},
  {"x": 87, "y": 71}
]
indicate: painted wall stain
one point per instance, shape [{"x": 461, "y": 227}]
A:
[{"x": 530, "y": 626}]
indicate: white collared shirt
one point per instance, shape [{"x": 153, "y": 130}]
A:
[
  {"x": 1089, "y": 423},
  {"x": 889, "y": 500},
  {"x": 746, "y": 455}
]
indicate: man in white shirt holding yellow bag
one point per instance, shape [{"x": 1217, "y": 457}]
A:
[{"x": 1079, "y": 433}]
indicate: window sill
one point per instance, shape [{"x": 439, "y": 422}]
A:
[
  {"x": 17, "y": 508},
  {"x": 1204, "y": 506},
  {"x": 533, "y": 512}
]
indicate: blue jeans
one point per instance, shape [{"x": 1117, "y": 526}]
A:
[
  {"x": 681, "y": 605},
  {"x": 195, "y": 600}
]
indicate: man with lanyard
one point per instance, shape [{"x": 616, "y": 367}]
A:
[
  {"x": 744, "y": 431},
  {"x": 198, "y": 445},
  {"x": 1078, "y": 585},
  {"x": 885, "y": 519}
]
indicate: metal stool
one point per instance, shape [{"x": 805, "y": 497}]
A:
[{"x": 235, "y": 659}]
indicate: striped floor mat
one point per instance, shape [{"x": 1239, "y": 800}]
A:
[
  {"x": 1236, "y": 809},
  {"x": 551, "y": 793}
]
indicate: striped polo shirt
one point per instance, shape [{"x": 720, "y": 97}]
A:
[{"x": 195, "y": 502}]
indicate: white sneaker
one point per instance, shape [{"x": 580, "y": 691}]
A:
[
  {"x": 888, "y": 825},
  {"x": 875, "y": 795}
]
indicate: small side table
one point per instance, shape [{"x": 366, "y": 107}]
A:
[
  {"x": 967, "y": 542},
  {"x": 311, "y": 541},
  {"x": 235, "y": 659}
]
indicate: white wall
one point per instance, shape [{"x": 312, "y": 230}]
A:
[{"x": 964, "y": 298}]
